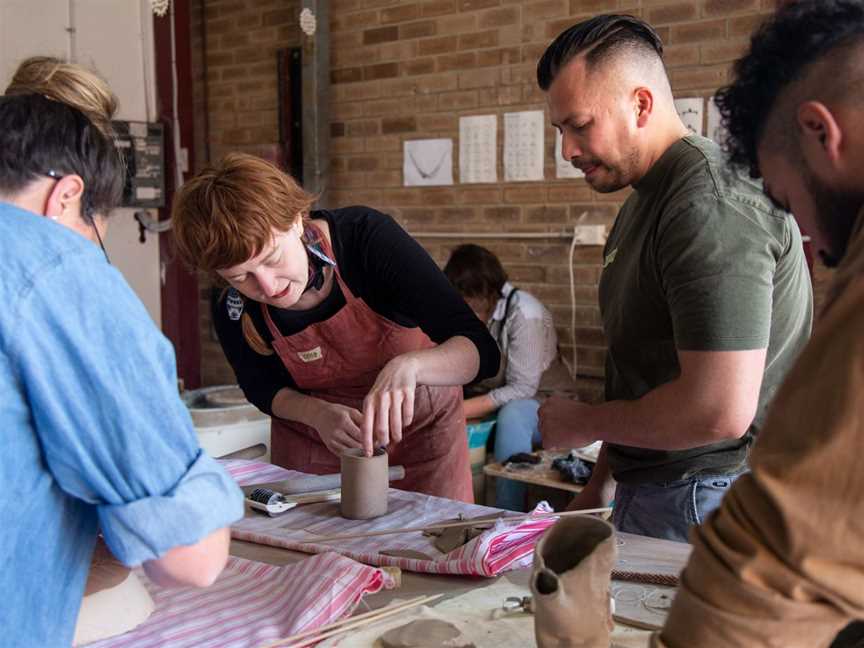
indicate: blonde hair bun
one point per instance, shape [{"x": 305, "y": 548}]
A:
[{"x": 68, "y": 83}]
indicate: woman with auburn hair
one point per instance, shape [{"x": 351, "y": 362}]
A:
[{"x": 337, "y": 324}]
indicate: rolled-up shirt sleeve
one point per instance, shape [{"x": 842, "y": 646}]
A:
[
  {"x": 197, "y": 504},
  {"x": 718, "y": 278},
  {"x": 101, "y": 382}
]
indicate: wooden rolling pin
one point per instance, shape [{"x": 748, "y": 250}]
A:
[{"x": 313, "y": 483}]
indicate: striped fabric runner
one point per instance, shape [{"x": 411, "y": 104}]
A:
[
  {"x": 253, "y": 603},
  {"x": 504, "y": 547}
]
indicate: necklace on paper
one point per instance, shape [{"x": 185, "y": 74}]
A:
[{"x": 427, "y": 174}]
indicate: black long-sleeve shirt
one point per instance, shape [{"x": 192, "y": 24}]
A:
[{"x": 382, "y": 265}]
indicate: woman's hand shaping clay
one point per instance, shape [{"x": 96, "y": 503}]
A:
[
  {"x": 389, "y": 406},
  {"x": 339, "y": 427}
]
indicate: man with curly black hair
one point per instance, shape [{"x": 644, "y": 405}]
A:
[
  {"x": 781, "y": 562},
  {"x": 704, "y": 295}
]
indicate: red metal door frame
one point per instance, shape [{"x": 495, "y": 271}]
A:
[{"x": 179, "y": 291}]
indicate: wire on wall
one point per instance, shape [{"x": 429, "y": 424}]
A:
[
  {"x": 573, "y": 365},
  {"x": 71, "y": 44},
  {"x": 145, "y": 61},
  {"x": 175, "y": 109}
]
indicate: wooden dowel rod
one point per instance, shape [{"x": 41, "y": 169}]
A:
[
  {"x": 450, "y": 525},
  {"x": 342, "y": 622},
  {"x": 335, "y": 624},
  {"x": 318, "y": 634},
  {"x": 636, "y": 623}
]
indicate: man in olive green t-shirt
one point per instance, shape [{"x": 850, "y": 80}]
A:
[{"x": 705, "y": 294}]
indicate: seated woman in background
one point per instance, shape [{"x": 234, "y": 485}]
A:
[{"x": 525, "y": 333}]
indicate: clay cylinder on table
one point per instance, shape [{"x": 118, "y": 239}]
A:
[{"x": 364, "y": 484}]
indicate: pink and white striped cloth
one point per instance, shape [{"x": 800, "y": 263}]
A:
[
  {"x": 253, "y": 603},
  {"x": 506, "y": 546}
]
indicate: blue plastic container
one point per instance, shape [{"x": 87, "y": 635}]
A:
[{"x": 478, "y": 433}]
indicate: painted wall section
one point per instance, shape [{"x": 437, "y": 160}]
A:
[{"x": 116, "y": 39}]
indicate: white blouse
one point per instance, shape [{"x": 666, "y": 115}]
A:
[{"x": 525, "y": 332}]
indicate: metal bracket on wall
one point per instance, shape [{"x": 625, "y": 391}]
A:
[
  {"x": 316, "y": 87},
  {"x": 289, "y": 66},
  {"x": 146, "y": 223}
]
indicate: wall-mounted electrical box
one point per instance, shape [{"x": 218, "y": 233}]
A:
[{"x": 142, "y": 145}]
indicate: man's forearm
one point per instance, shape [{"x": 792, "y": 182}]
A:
[
  {"x": 714, "y": 398},
  {"x": 670, "y": 417}
]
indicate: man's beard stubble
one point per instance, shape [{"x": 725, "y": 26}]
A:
[{"x": 836, "y": 216}]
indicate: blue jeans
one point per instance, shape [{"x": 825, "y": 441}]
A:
[
  {"x": 668, "y": 509},
  {"x": 517, "y": 430}
]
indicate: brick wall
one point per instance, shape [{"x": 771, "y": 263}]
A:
[{"x": 409, "y": 69}]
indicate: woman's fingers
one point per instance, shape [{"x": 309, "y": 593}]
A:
[
  {"x": 408, "y": 408},
  {"x": 396, "y": 417}
]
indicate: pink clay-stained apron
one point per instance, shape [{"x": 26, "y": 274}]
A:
[{"x": 338, "y": 360}]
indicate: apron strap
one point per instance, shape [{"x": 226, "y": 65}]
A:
[
  {"x": 271, "y": 326},
  {"x": 316, "y": 237},
  {"x": 507, "y": 305}
]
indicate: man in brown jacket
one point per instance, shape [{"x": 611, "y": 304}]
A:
[{"x": 781, "y": 562}]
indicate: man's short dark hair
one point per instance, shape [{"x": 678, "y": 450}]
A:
[
  {"x": 602, "y": 37},
  {"x": 781, "y": 51},
  {"x": 38, "y": 135},
  {"x": 475, "y": 272}
]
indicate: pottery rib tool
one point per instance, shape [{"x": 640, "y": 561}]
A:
[
  {"x": 314, "y": 483},
  {"x": 318, "y": 634},
  {"x": 449, "y": 525}
]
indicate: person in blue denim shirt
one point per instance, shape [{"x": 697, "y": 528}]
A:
[{"x": 94, "y": 437}]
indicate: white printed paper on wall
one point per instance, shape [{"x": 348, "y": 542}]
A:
[
  {"x": 563, "y": 168},
  {"x": 428, "y": 162},
  {"x": 478, "y": 148},
  {"x": 691, "y": 110},
  {"x": 715, "y": 129},
  {"x": 523, "y": 145}
]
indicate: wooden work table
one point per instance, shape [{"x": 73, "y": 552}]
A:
[
  {"x": 541, "y": 474},
  {"x": 635, "y": 553}
]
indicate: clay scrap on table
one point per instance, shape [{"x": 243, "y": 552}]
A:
[
  {"x": 446, "y": 540},
  {"x": 425, "y": 633}
]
